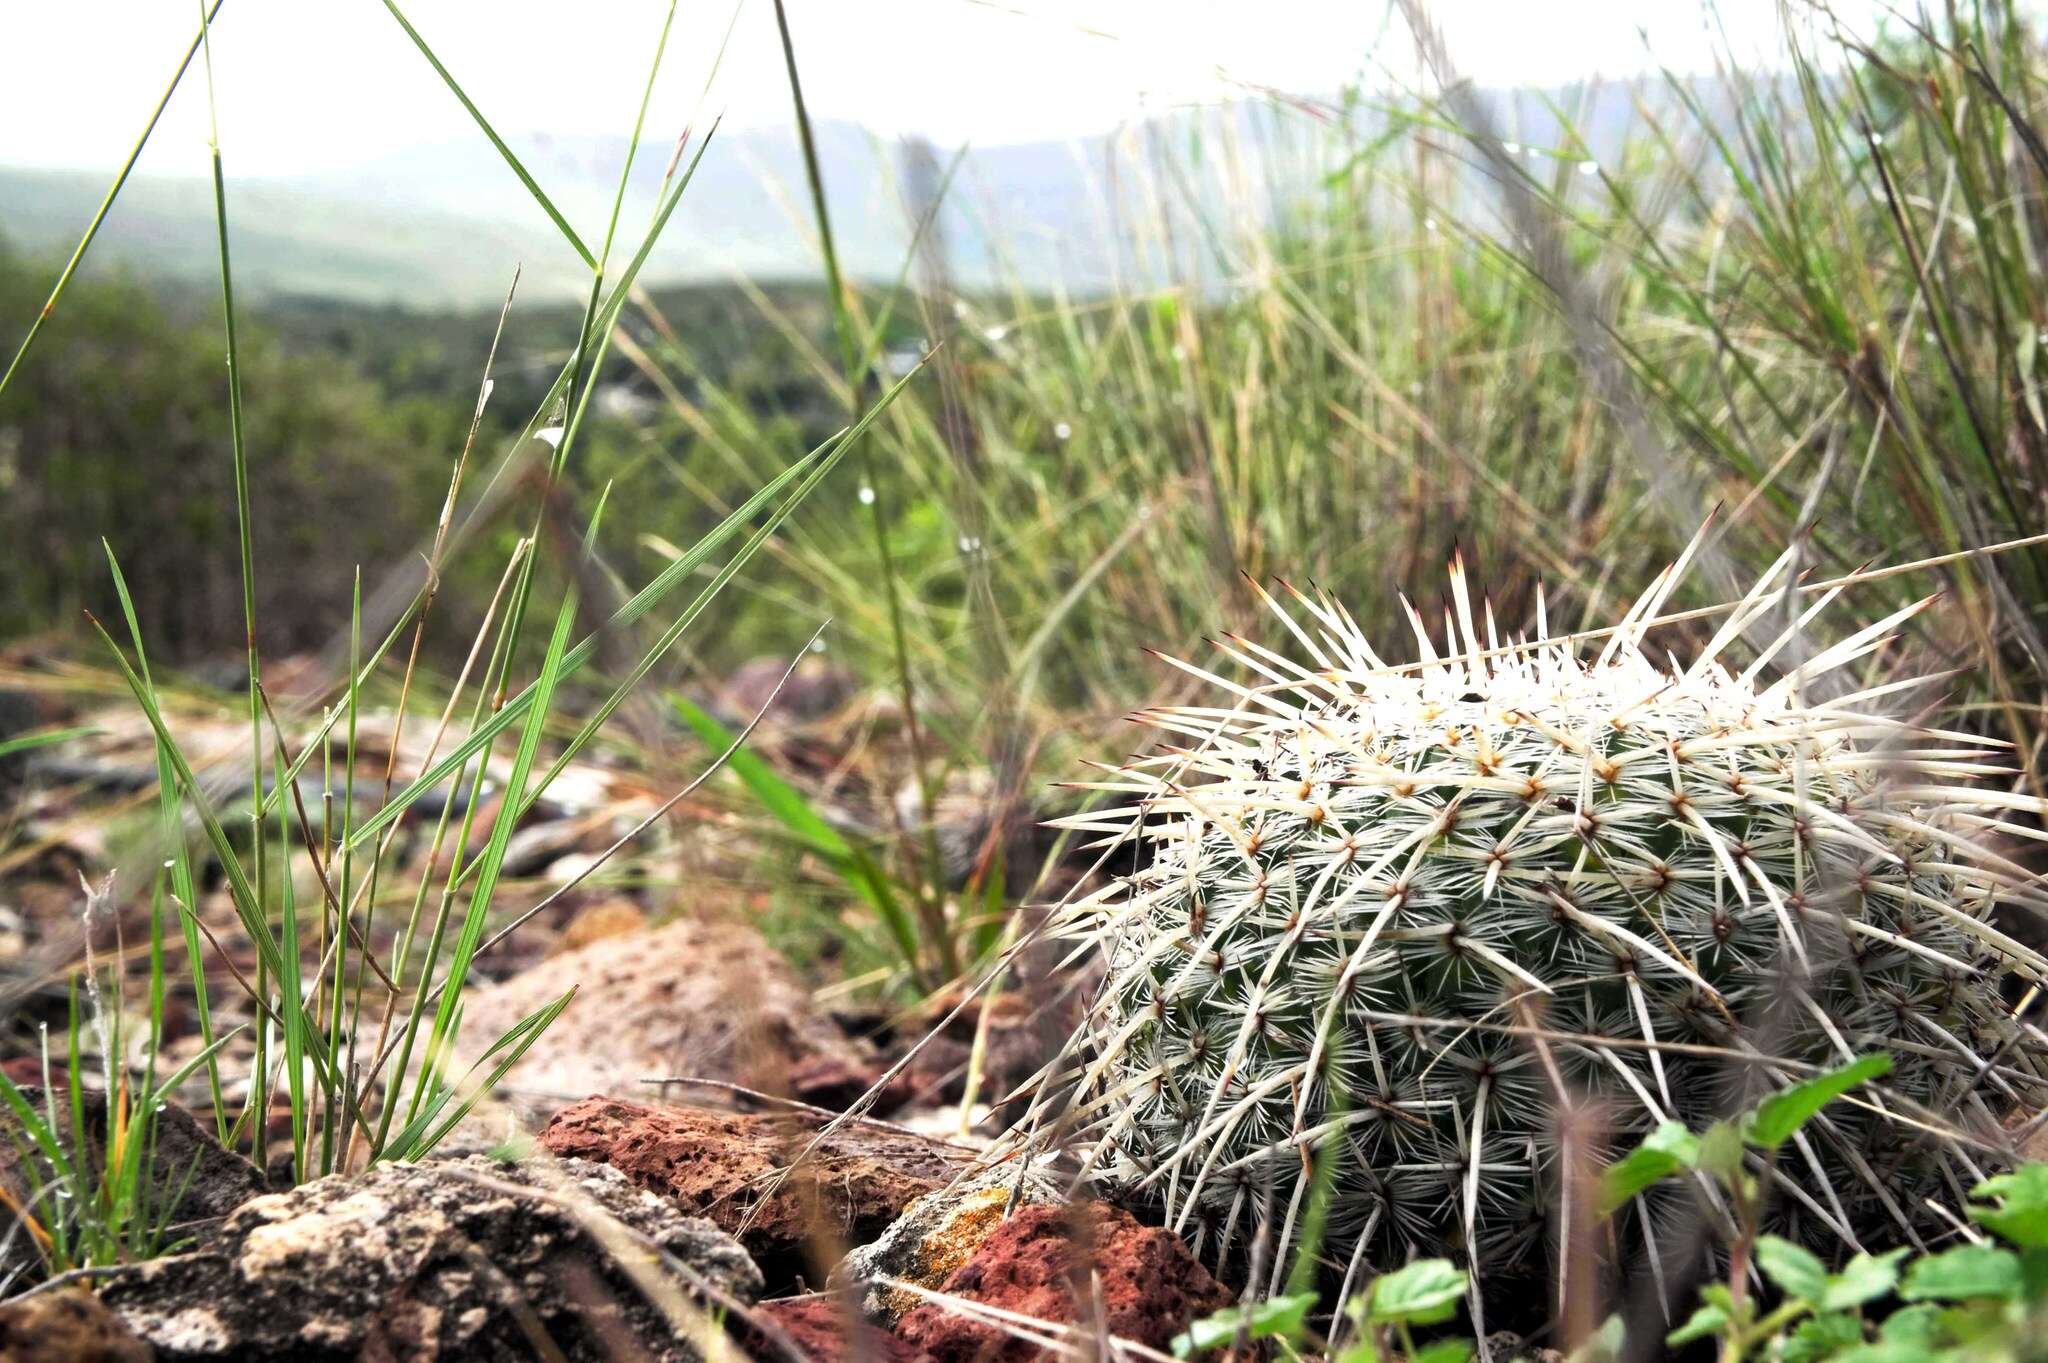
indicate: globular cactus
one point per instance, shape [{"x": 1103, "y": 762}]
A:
[{"x": 1397, "y": 919}]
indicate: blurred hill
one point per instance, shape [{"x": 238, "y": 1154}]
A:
[{"x": 443, "y": 225}]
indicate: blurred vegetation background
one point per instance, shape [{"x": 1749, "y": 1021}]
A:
[{"x": 1557, "y": 329}]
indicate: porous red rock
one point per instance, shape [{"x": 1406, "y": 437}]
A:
[
  {"x": 1151, "y": 1286},
  {"x": 816, "y": 1327},
  {"x": 721, "y": 1165}
]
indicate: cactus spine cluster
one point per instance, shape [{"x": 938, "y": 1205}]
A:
[{"x": 1396, "y": 919}]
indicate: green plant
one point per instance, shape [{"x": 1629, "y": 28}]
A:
[
  {"x": 356, "y": 1035},
  {"x": 1425, "y": 1292},
  {"x": 96, "y": 1192},
  {"x": 1402, "y": 916},
  {"x": 1724, "y": 1153},
  {"x": 1980, "y": 1300}
]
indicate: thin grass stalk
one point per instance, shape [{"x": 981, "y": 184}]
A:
[
  {"x": 92, "y": 228},
  {"x": 930, "y": 888}
]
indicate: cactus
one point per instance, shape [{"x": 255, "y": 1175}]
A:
[{"x": 1392, "y": 921}]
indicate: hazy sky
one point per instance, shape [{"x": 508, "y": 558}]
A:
[{"x": 307, "y": 85}]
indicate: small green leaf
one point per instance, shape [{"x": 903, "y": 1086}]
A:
[
  {"x": 1779, "y": 1116},
  {"x": 1443, "y": 1351},
  {"x": 1917, "y": 1326},
  {"x": 1864, "y": 1278},
  {"x": 1423, "y": 1293},
  {"x": 1604, "y": 1344},
  {"x": 1796, "y": 1270},
  {"x": 2021, "y": 1215},
  {"x": 1707, "y": 1320},
  {"x": 1720, "y": 1151},
  {"x": 1820, "y": 1337},
  {"x": 26, "y": 742},
  {"x": 1663, "y": 1152},
  {"x": 1276, "y": 1316},
  {"x": 1963, "y": 1272}
]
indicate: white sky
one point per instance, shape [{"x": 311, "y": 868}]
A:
[{"x": 311, "y": 85}]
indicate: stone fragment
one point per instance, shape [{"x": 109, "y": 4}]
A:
[
  {"x": 936, "y": 1235},
  {"x": 451, "y": 1261},
  {"x": 816, "y": 1327},
  {"x": 67, "y": 1325},
  {"x": 721, "y": 1165},
  {"x": 1150, "y": 1285},
  {"x": 703, "y": 999}
]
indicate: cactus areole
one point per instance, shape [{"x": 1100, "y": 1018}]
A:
[{"x": 1398, "y": 921}]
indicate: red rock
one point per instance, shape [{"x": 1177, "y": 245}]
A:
[
  {"x": 720, "y": 1165},
  {"x": 834, "y": 1082},
  {"x": 816, "y": 1325},
  {"x": 1151, "y": 1285},
  {"x": 28, "y": 1069}
]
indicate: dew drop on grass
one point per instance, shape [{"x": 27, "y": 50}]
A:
[
  {"x": 1062, "y": 431},
  {"x": 867, "y": 495},
  {"x": 1589, "y": 167},
  {"x": 994, "y": 334},
  {"x": 970, "y": 544}
]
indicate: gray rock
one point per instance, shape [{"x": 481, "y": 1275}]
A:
[
  {"x": 935, "y": 1235},
  {"x": 454, "y": 1261}
]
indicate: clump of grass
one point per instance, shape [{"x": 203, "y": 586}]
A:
[
  {"x": 1806, "y": 298},
  {"x": 97, "y": 1193},
  {"x": 356, "y": 1031}
]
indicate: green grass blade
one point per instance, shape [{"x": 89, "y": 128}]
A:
[
  {"x": 454, "y": 88},
  {"x": 30, "y": 742},
  {"x": 92, "y": 229},
  {"x": 789, "y": 807},
  {"x": 551, "y": 673},
  {"x": 171, "y": 829},
  {"x": 418, "y": 1138}
]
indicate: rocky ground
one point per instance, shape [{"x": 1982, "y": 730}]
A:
[{"x": 683, "y": 1181}]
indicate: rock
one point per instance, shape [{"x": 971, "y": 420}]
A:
[
  {"x": 453, "y": 1261},
  {"x": 66, "y": 1326},
  {"x": 708, "y": 1000},
  {"x": 833, "y": 1082},
  {"x": 814, "y": 690},
  {"x": 1151, "y": 1286},
  {"x": 537, "y": 843},
  {"x": 207, "y": 1181},
  {"x": 816, "y": 1325},
  {"x": 936, "y": 1236},
  {"x": 595, "y": 922},
  {"x": 720, "y": 1165}
]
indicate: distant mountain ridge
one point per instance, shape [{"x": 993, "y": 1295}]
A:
[{"x": 444, "y": 225}]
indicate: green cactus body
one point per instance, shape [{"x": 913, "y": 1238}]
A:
[{"x": 1402, "y": 917}]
